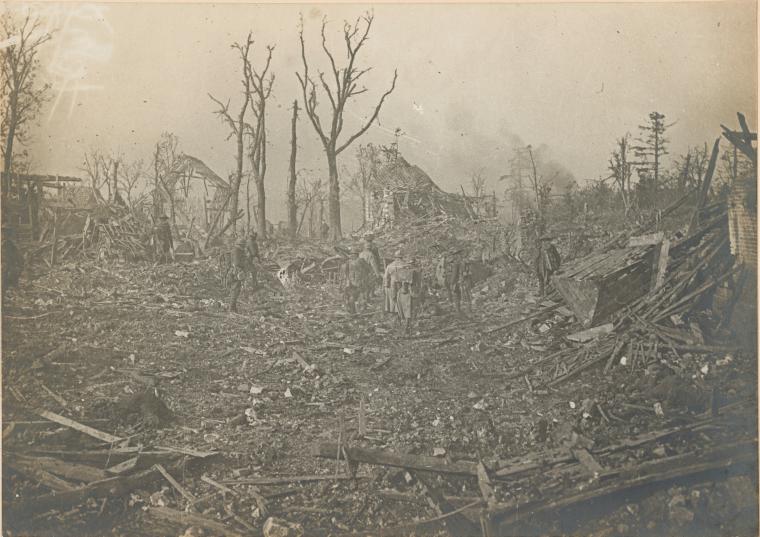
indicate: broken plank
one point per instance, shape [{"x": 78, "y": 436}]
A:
[
  {"x": 188, "y": 451},
  {"x": 114, "y": 486},
  {"x": 662, "y": 471},
  {"x": 386, "y": 458},
  {"x": 54, "y": 483},
  {"x": 66, "y": 422},
  {"x": 521, "y": 319},
  {"x": 588, "y": 461},
  {"x": 69, "y": 470},
  {"x": 592, "y": 333},
  {"x": 191, "y": 519},
  {"x": 122, "y": 467},
  {"x": 182, "y": 490},
  {"x": 226, "y": 490},
  {"x": 458, "y": 525},
  {"x": 282, "y": 480}
]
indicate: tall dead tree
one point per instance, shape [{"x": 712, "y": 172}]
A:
[
  {"x": 343, "y": 86},
  {"x": 621, "y": 169},
  {"x": 21, "y": 95},
  {"x": 261, "y": 88},
  {"x": 293, "y": 176},
  {"x": 237, "y": 127}
]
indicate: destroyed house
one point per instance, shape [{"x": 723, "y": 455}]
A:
[
  {"x": 402, "y": 191},
  {"x": 194, "y": 196},
  {"x": 742, "y": 221}
]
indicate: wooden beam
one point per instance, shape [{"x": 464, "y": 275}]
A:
[
  {"x": 385, "y": 458},
  {"x": 186, "y": 520},
  {"x": 648, "y": 473},
  {"x": 66, "y": 422}
]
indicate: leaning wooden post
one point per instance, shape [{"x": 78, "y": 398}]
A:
[{"x": 55, "y": 238}]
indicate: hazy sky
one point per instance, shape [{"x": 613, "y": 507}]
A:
[{"x": 473, "y": 80}]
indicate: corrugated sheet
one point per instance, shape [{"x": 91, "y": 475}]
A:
[{"x": 742, "y": 221}]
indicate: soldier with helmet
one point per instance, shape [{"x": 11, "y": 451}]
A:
[
  {"x": 12, "y": 259},
  {"x": 239, "y": 267},
  {"x": 547, "y": 262}
]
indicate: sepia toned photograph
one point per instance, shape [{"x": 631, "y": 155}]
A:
[{"x": 379, "y": 270}]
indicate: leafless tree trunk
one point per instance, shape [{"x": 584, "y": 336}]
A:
[
  {"x": 346, "y": 85},
  {"x": 22, "y": 96},
  {"x": 237, "y": 128},
  {"x": 293, "y": 177}
]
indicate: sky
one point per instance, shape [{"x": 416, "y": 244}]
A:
[{"x": 474, "y": 81}]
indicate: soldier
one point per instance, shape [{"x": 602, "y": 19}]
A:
[
  {"x": 239, "y": 266},
  {"x": 451, "y": 278},
  {"x": 165, "y": 241},
  {"x": 465, "y": 282},
  {"x": 547, "y": 262},
  {"x": 372, "y": 256},
  {"x": 357, "y": 275},
  {"x": 407, "y": 299},
  {"x": 12, "y": 259},
  {"x": 390, "y": 285},
  {"x": 252, "y": 252}
]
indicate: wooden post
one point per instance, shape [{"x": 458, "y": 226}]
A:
[{"x": 55, "y": 238}]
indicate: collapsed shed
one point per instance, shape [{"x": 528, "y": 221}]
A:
[{"x": 402, "y": 190}]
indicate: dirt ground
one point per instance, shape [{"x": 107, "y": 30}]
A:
[{"x": 85, "y": 340}]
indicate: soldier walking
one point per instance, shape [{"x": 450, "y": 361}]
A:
[
  {"x": 371, "y": 255},
  {"x": 390, "y": 284},
  {"x": 239, "y": 267},
  {"x": 547, "y": 262},
  {"x": 165, "y": 240},
  {"x": 252, "y": 252}
]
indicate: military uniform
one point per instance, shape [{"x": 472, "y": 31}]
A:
[
  {"x": 12, "y": 260},
  {"x": 547, "y": 263},
  {"x": 252, "y": 251},
  {"x": 407, "y": 298},
  {"x": 239, "y": 266},
  {"x": 358, "y": 282},
  {"x": 164, "y": 237},
  {"x": 391, "y": 285}
]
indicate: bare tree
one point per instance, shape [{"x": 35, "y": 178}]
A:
[
  {"x": 310, "y": 193},
  {"x": 345, "y": 85},
  {"x": 21, "y": 95},
  {"x": 166, "y": 160},
  {"x": 362, "y": 180},
  {"x": 261, "y": 86},
  {"x": 621, "y": 169},
  {"x": 237, "y": 127},
  {"x": 132, "y": 178},
  {"x": 293, "y": 177}
]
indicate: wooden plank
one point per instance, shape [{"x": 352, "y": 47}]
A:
[
  {"x": 69, "y": 470},
  {"x": 186, "y": 520},
  {"x": 649, "y": 239},
  {"x": 386, "y": 458},
  {"x": 114, "y": 487},
  {"x": 662, "y": 264},
  {"x": 661, "y": 471},
  {"x": 591, "y": 333},
  {"x": 457, "y": 525},
  {"x": 66, "y": 422},
  {"x": 43, "y": 477},
  {"x": 588, "y": 462},
  {"x": 182, "y": 490},
  {"x": 285, "y": 479}
]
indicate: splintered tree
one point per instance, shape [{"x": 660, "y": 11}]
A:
[
  {"x": 621, "y": 169},
  {"x": 344, "y": 85},
  {"x": 22, "y": 96},
  {"x": 652, "y": 146},
  {"x": 261, "y": 85},
  {"x": 166, "y": 159},
  {"x": 293, "y": 177},
  {"x": 362, "y": 180},
  {"x": 256, "y": 89}
]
